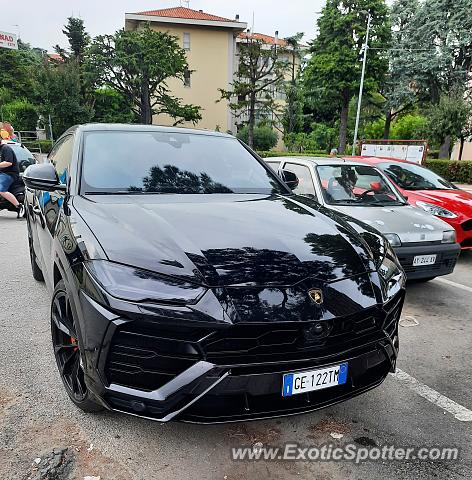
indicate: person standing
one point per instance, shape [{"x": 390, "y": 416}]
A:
[{"x": 9, "y": 173}]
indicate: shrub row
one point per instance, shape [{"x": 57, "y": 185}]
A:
[
  {"x": 272, "y": 153},
  {"x": 458, "y": 172}
]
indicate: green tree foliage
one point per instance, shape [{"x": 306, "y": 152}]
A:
[
  {"x": 59, "y": 89},
  {"x": 261, "y": 73},
  {"x": 410, "y": 127},
  {"x": 21, "y": 114},
  {"x": 334, "y": 70},
  {"x": 447, "y": 120},
  {"x": 265, "y": 137},
  {"x": 292, "y": 120},
  {"x": 320, "y": 138},
  {"x": 111, "y": 107},
  {"x": 78, "y": 40},
  {"x": 397, "y": 87},
  {"x": 138, "y": 65}
]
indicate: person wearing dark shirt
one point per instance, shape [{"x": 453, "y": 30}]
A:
[{"x": 9, "y": 173}]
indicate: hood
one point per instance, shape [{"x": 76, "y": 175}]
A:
[
  {"x": 456, "y": 201},
  {"x": 411, "y": 224},
  {"x": 225, "y": 240}
]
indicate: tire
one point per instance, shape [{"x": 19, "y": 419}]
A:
[
  {"x": 35, "y": 268},
  {"x": 68, "y": 351}
]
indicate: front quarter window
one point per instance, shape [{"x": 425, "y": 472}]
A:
[{"x": 157, "y": 162}]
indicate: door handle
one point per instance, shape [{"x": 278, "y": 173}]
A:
[{"x": 36, "y": 210}]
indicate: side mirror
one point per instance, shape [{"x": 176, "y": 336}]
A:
[
  {"x": 44, "y": 177},
  {"x": 290, "y": 179}
]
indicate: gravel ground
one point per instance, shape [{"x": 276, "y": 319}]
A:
[{"x": 42, "y": 435}]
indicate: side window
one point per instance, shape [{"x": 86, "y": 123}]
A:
[
  {"x": 61, "y": 155},
  {"x": 305, "y": 185},
  {"x": 186, "y": 42},
  {"x": 274, "y": 166}
]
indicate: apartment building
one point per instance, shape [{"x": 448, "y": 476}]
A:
[{"x": 210, "y": 43}]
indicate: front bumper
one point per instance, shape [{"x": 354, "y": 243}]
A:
[
  {"x": 447, "y": 255},
  {"x": 141, "y": 369}
]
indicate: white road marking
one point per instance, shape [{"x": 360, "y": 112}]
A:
[
  {"x": 460, "y": 413},
  {"x": 454, "y": 284}
]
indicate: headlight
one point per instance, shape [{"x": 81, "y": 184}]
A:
[
  {"x": 136, "y": 285},
  {"x": 449, "y": 236},
  {"x": 436, "y": 210},
  {"x": 393, "y": 239}
]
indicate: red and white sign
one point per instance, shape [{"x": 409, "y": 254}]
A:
[{"x": 8, "y": 40}]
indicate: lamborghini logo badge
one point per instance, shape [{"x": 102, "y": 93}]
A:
[{"x": 316, "y": 295}]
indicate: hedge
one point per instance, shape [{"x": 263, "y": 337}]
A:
[
  {"x": 458, "y": 172},
  {"x": 272, "y": 153}
]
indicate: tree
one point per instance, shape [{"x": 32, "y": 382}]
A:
[
  {"x": 138, "y": 64},
  {"x": 334, "y": 69},
  {"x": 261, "y": 73},
  {"x": 78, "y": 39},
  {"x": 111, "y": 107},
  {"x": 448, "y": 120},
  {"x": 59, "y": 91},
  {"x": 265, "y": 138},
  {"x": 293, "y": 115},
  {"x": 397, "y": 87}
]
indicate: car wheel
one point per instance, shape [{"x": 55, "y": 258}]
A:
[
  {"x": 68, "y": 352},
  {"x": 36, "y": 270}
]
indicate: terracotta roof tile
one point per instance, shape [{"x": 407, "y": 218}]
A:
[
  {"x": 187, "y": 13},
  {"x": 267, "y": 39}
]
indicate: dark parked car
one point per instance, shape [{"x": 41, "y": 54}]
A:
[{"x": 188, "y": 281}]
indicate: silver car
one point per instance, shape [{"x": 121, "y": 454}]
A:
[{"x": 426, "y": 246}]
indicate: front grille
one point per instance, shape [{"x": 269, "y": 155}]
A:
[
  {"x": 467, "y": 225},
  {"x": 442, "y": 263},
  {"x": 146, "y": 355}
]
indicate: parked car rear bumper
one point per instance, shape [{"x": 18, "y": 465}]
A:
[{"x": 447, "y": 255}]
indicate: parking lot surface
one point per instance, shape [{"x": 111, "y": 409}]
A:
[{"x": 428, "y": 404}]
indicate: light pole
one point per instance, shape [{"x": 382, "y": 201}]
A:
[{"x": 361, "y": 87}]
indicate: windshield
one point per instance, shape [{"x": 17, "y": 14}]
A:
[
  {"x": 21, "y": 153},
  {"x": 161, "y": 162},
  {"x": 414, "y": 177},
  {"x": 355, "y": 185}
]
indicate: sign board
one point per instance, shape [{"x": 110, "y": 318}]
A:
[
  {"x": 8, "y": 40},
  {"x": 412, "y": 153}
]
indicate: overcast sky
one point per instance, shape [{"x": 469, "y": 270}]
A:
[{"x": 40, "y": 21}]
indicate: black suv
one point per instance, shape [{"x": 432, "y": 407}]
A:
[{"x": 188, "y": 281}]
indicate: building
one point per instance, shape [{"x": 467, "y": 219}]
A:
[{"x": 212, "y": 44}]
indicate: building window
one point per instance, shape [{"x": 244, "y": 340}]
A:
[
  {"x": 186, "y": 41},
  {"x": 187, "y": 74}
]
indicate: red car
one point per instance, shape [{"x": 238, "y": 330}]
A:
[{"x": 429, "y": 191}]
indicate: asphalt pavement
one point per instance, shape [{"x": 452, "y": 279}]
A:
[{"x": 427, "y": 404}]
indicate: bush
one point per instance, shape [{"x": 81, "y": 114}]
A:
[
  {"x": 267, "y": 154},
  {"x": 46, "y": 145},
  {"x": 265, "y": 138},
  {"x": 321, "y": 138},
  {"x": 374, "y": 130},
  {"x": 20, "y": 114},
  {"x": 409, "y": 127},
  {"x": 459, "y": 172}
]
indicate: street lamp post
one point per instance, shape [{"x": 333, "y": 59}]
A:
[{"x": 361, "y": 87}]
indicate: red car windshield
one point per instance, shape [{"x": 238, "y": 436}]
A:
[{"x": 415, "y": 177}]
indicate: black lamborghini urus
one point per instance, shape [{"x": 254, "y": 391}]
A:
[{"x": 187, "y": 280}]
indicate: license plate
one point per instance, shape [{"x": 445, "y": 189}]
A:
[
  {"x": 424, "y": 260},
  {"x": 302, "y": 382}
]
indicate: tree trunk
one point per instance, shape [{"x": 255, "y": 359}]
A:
[
  {"x": 461, "y": 150},
  {"x": 252, "y": 120},
  {"x": 445, "y": 149},
  {"x": 388, "y": 124},
  {"x": 344, "y": 119},
  {"x": 145, "y": 107}
]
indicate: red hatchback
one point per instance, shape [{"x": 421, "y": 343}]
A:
[{"x": 429, "y": 191}]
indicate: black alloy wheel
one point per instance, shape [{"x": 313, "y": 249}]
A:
[{"x": 68, "y": 352}]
